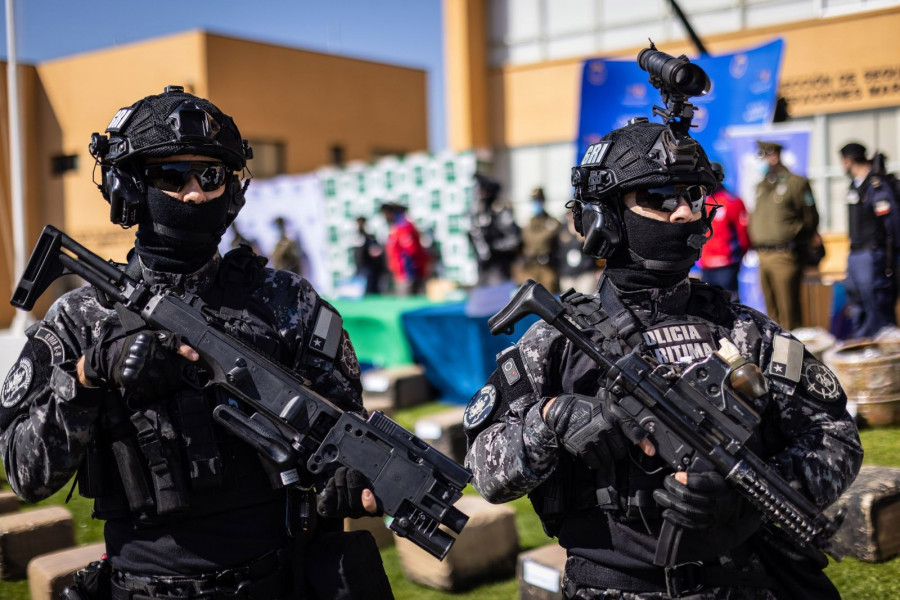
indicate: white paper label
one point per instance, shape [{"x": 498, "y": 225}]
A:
[
  {"x": 540, "y": 576},
  {"x": 289, "y": 477},
  {"x": 428, "y": 430},
  {"x": 375, "y": 383}
]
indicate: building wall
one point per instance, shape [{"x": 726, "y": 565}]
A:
[
  {"x": 40, "y": 138},
  {"x": 839, "y": 73},
  {"x": 310, "y": 101},
  {"x": 293, "y": 102}
]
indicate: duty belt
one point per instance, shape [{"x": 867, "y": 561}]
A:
[
  {"x": 677, "y": 581},
  {"x": 267, "y": 577}
]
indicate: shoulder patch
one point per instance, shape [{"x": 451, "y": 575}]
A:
[
  {"x": 821, "y": 382},
  {"x": 480, "y": 408},
  {"x": 787, "y": 359},
  {"x": 54, "y": 344},
  {"x": 326, "y": 333},
  {"x": 17, "y": 383}
]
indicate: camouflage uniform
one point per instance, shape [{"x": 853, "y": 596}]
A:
[
  {"x": 48, "y": 421},
  {"x": 806, "y": 435}
]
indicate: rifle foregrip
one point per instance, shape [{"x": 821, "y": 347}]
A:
[
  {"x": 532, "y": 298},
  {"x": 775, "y": 507}
]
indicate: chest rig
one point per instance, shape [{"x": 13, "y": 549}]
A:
[
  {"x": 626, "y": 489},
  {"x": 169, "y": 460}
]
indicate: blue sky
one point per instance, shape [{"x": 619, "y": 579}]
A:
[{"x": 403, "y": 32}]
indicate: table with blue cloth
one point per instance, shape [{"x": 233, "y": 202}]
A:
[
  {"x": 374, "y": 326},
  {"x": 456, "y": 349}
]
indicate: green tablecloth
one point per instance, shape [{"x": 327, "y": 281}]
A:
[{"x": 375, "y": 328}]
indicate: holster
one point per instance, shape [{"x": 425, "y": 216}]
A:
[
  {"x": 91, "y": 583},
  {"x": 345, "y": 565}
]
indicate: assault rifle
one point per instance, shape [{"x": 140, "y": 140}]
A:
[
  {"x": 288, "y": 423},
  {"x": 696, "y": 421}
]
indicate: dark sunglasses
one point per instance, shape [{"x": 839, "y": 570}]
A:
[
  {"x": 173, "y": 176},
  {"x": 666, "y": 198}
]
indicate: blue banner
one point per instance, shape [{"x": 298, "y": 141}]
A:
[{"x": 743, "y": 92}]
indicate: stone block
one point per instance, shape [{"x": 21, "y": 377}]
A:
[
  {"x": 384, "y": 537},
  {"x": 485, "y": 550},
  {"x": 373, "y": 402},
  {"x": 444, "y": 431},
  {"x": 403, "y": 385},
  {"x": 48, "y": 574},
  {"x": 24, "y": 535},
  {"x": 870, "y": 529},
  {"x": 539, "y": 573},
  {"x": 9, "y": 502}
]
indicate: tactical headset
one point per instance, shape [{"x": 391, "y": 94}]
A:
[{"x": 170, "y": 123}]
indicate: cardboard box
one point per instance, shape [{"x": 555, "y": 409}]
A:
[
  {"x": 539, "y": 573},
  {"x": 444, "y": 431}
]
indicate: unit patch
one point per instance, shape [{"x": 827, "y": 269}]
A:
[
  {"x": 57, "y": 350},
  {"x": 822, "y": 383},
  {"x": 17, "y": 383},
  {"x": 679, "y": 342},
  {"x": 348, "y": 359},
  {"x": 481, "y": 407}
]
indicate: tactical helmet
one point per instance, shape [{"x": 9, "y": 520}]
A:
[
  {"x": 173, "y": 122},
  {"x": 641, "y": 155},
  {"x": 166, "y": 124}
]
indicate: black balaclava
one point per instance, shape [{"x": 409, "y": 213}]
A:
[
  {"x": 178, "y": 237},
  {"x": 654, "y": 240}
]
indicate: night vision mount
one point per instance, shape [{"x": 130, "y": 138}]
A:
[{"x": 677, "y": 80}]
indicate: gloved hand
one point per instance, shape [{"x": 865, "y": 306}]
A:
[
  {"x": 705, "y": 502},
  {"x": 342, "y": 495},
  {"x": 592, "y": 428},
  {"x": 145, "y": 364}
]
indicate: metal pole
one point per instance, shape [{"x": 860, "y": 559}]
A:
[
  {"x": 16, "y": 170},
  {"x": 690, "y": 30}
]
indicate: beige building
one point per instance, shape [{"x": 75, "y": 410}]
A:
[
  {"x": 514, "y": 72},
  {"x": 299, "y": 109}
]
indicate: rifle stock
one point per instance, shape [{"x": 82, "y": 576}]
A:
[
  {"x": 289, "y": 424},
  {"x": 695, "y": 421}
]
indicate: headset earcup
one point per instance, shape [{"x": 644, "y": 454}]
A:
[
  {"x": 125, "y": 199},
  {"x": 237, "y": 198},
  {"x": 601, "y": 230}
]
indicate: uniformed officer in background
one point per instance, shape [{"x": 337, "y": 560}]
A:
[
  {"x": 190, "y": 510},
  {"x": 870, "y": 282},
  {"x": 782, "y": 227},
  {"x": 495, "y": 236},
  {"x": 543, "y": 424},
  {"x": 540, "y": 238}
]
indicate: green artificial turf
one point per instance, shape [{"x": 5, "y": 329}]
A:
[{"x": 856, "y": 580}]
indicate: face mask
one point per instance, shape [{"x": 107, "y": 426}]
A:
[
  {"x": 177, "y": 237},
  {"x": 537, "y": 208}
]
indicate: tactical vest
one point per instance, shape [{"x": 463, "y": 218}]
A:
[
  {"x": 169, "y": 461},
  {"x": 626, "y": 489}
]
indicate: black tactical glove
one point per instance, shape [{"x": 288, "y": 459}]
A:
[
  {"x": 592, "y": 428},
  {"x": 342, "y": 495},
  {"x": 705, "y": 502},
  {"x": 145, "y": 364}
]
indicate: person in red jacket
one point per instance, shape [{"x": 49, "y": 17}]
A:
[
  {"x": 722, "y": 254},
  {"x": 407, "y": 259}
]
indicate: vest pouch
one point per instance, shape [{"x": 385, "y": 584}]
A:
[
  {"x": 162, "y": 451},
  {"x": 198, "y": 440}
]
